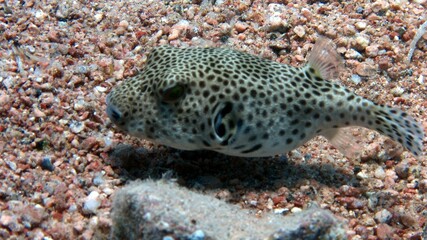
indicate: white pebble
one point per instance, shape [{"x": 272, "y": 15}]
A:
[
  {"x": 353, "y": 54},
  {"x": 362, "y": 175},
  {"x": 197, "y": 235},
  {"x": 296, "y": 210},
  {"x": 12, "y": 165},
  {"x": 76, "y": 127},
  {"x": 421, "y": 79},
  {"x": 360, "y": 26},
  {"x": 100, "y": 89},
  {"x": 299, "y": 31},
  {"x": 383, "y": 216},
  {"x": 98, "y": 17},
  {"x": 362, "y": 42},
  {"x": 356, "y": 78},
  {"x": 108, "y": 191},
  {"x": 92, "y": 203},
  {"x": 379, "y": 173},
  {"x": 280, "y": 210},
  {"x": 397, "y": 91}
]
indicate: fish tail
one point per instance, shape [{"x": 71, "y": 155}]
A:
[{"x": 399, "y": 126}]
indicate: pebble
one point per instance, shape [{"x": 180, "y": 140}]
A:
[
  {"x": 296, "y": 210},
  {"x": 379, "y": 173},
  {"x": 76, "y": 126},
  {"x": 372, "y": 51},
  {"x": 73, "y": 207},
  {"x": 174, "y": 34},
  {"x": 46, "y": 164},
  {"x": 11, "y": 222},
  {"x": 356, "y": 78},
  {"x": 299, "y": 31},
  {"x": 349, "y": 30},
  {"x": 98, "y": 17},
  {"x": 98, "y": 179},
  {"x": 384, "y": 231},
  {"x": 124, "y": 24},
  {"x": 420, "y": 79},
  {"x": 108, "y": 191},
  {"x": 365, "y": 70},
  {"x": 280, "y": 210},
  {"x": 6, "y": 219},
  {"x": 179, "y": 27},
  {"x": 79, "y": 105},
  {"x": 422, "y": 186},
  {"x": 368, "y": 221},
  {"x": 402, "y": 170},
  {"x": 360, "y": 26},
  {"x": 397, "y": 91},
  {"x": 383, "y": 216},
  {"x": 240, "y": 27},
  {"x": 362, "y": 175},
  {"x": 353, "y": 54},
  {"x": 12, "y": 165},
  {"x": 384, "y": 63},
  {"x": 360, "y": 10},
  {"x": 38, "y": 113},
  {"x": 361, "y": 43},
  {"x": 197, "y": 235},
  {"x": 92, "y": 203}
]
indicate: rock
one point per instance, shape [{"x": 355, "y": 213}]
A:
[
  {"x": 157, "y": 210},
  {"x": 275, "y": 22},
  {"x": 402, "y": 170},
  {"x": 384, "y": 231},
  {"x": 353, "y": 54},
  {"x": 38, "y": 113},
  {"x": 372, "y": 51},
  {"x": 422, "y": 186},
  {"x": 76, "y": 126},
  {"x": 356, "y": 78},
  {"x": 46, "y": 164},
  {"x": 92, "y": 203},
  {"x": 98, "y": 17},
  {"x": 379, "y": 173},
  {"x": 360, "y": 26},
  {"x": 296, "y": 210},
  {"x": 362, "y": 175},
  {"x": 365, "y": 70},
  {"x": 361, "y": 43},
  {"x": 299, "y": 31},
  {"x": 240, "y": 27},
  {"x": 397, "y": 91},
  {"x": 197, "y": 235},
  {"x": 383, "y": 216},
  {"x": 98, "y": 179}
]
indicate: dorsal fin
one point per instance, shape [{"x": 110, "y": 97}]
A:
[{"x": 324, "y": 59}]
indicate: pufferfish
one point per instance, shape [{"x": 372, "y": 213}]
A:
[{"x": 243, "y": 105}]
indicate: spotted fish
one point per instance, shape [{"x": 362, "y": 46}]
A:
[{"x": 242, "y": 105}]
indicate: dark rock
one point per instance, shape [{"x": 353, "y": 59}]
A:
[{"x": 46, "y": 164}]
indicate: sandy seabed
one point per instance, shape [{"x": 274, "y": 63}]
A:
[{"x": 60, "y": 161}]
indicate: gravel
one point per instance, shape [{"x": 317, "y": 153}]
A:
[{"x": 59, "y": 60}]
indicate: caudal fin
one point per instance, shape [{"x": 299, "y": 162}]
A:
[{"x": 400, "y": 127}]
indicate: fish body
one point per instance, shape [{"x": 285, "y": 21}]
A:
[{"x": 242, "y": 105}]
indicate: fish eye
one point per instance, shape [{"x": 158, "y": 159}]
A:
[{"x": 172, "y": 93}]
